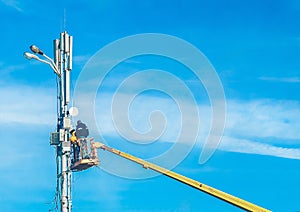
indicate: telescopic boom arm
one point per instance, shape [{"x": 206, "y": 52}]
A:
[{"x": 245, "y": 205}]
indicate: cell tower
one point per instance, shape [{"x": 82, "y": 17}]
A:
[
  {"x": 63, "y": 60},
  {"x": 62, "y": 66}
]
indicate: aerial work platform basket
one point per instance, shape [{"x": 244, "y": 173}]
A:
[
  {"x": 84, "y": 164},
  {"x": 88, "y": 155}
]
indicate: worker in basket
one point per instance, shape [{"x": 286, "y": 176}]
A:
[
  {"x": 75, "y": 145},
  {"x": 82, "y": 132}
]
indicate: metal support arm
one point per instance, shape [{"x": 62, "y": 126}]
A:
[{"x": 245, "y": 205}]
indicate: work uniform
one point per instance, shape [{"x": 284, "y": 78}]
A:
[
  {"x": 75, "y": 145},
  {"x": 82, "y": 132}
]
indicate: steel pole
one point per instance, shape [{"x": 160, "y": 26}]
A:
[{"x": 64, "y": 122}]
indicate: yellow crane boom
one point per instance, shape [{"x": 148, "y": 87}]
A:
[{"x": 245, "y": 205}]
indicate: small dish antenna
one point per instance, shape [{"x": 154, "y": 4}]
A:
[{"x": 74, "y": 111}]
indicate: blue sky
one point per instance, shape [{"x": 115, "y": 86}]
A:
[{"x": 254, "y": 47}]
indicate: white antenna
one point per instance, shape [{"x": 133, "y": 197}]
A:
[{"x": 65, "y": 19}]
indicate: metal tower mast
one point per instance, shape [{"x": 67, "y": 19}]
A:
[
  {"x": 62, "y": 66},
  {"x": 63, "y": 60}
]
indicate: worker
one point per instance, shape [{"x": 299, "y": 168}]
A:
[
  {"x": 82, "y": 132},
  {"x": 75, "y": 145}
]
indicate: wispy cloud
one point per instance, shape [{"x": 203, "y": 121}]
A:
[
  {"x": 13, "y": 4},
  {"x": 27, "y": 105},
  {"x": 266, "y": 126},
  {"x": 281, "y": 79},
  {"x": 81, "y": 59},
  {"x": 262, "y": 126},
  {"x": 253, "y": 147},
  {"x": 142, "y": 119},
  {"x": 8, "y": 69},
  {"x": 264, "y": 118}
]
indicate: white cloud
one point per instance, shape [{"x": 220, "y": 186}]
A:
[
  {"x": 10, "y": 68},
  {"x": 253, "y": 147},
  {"x": 14, "y": 4},
  {"x": 81, "y": 59},
  {"x": 264, "y": 118},
  {"x": 266, "y": 126},
  {"x": 272, "y": 124},
  {"x": 27, "y": 105},
  {"x": 281, "y": 79},
  {"x": 143, "y": 120}
]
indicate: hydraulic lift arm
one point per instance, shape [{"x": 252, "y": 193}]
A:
[{"x": 247, "y": 206}]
